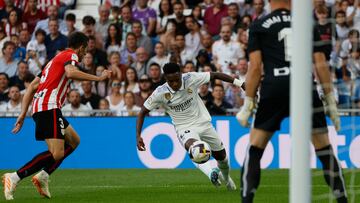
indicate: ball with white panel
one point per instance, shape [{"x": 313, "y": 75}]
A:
[{"x": 200, "y": 152}]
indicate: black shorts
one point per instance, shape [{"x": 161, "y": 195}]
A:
[
  {"x": 272, "y": 111},
  {"x": 50, "y": 124}
]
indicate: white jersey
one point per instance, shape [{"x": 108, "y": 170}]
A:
[{"x": 184, "y": 106}]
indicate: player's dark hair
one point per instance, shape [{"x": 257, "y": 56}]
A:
[
  {"x": 171, "y": 68},
  {"x": 77, "y": 39}
]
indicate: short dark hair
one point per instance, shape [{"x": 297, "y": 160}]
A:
[
  {"x": 40, "y": 31},
  {"x": 77, "y": 39},
  {"x": 8, "y": 43},
  {"x": 155, "y": 64},
  {"x": 6, "y": 76},
  {"x": 29, "y": 77},
  {"x": 70, "y": 17},
  {"x": 88, "y": 20},
  {"x": 171, "y": 68},
  {"x": 218, "y": 85}
]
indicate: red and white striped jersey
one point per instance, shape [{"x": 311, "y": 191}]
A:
[{"x": 54, "y": 84}]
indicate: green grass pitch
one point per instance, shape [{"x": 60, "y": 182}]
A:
[{"x": 168, "y": 186}]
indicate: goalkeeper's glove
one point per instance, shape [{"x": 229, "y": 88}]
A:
[
  {"x": 246, "y": 111},
  {"x": 331, "y": 110}
]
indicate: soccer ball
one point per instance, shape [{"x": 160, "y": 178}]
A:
[{"x": 200, "y": 152}]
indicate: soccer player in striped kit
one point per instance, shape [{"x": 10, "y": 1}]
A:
[{"x": 48, "y": 92}]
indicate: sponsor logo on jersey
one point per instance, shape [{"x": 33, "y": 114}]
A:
[
  {"x": 189, "y": 91},
  {"x": 183, "y": 106},
  {"x": 167, "y": 96}
]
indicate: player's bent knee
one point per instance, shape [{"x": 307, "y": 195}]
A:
[
  {"x": 320, "y": 140},
  {"x": 219, "y": 155},
  {"x": 58, "y": 155}
]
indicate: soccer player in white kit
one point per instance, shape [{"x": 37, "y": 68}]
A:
[{"x": 179, "y": 97}]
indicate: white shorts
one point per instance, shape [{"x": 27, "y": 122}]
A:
[{"x": 204, "y": 132}]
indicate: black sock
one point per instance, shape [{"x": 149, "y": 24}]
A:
[
  {"x": 36, "y": 164},
  {"x": 53, "y": 166},
  {"x": 332, "y": 173},
  {"x": 250, "y": 174}
]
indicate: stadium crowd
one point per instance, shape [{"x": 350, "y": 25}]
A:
[{"x": 135, "y": 38}]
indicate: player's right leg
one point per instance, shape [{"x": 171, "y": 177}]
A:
[{"x": 250, "y": 173}]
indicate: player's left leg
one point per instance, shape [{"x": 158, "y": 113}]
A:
[
  {"x": 332, "y": 170},
  {"x": 224, "y": 166}
]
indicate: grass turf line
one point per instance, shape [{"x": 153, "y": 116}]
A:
[{"x": 164, "y": 186}]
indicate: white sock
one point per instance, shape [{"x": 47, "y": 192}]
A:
[
  {"x": 205, "y": 168},
  {"x": 14, "y": 177},
  {"x": 224, "y": 168}
]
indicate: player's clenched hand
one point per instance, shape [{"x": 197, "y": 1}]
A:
[
  {"x": 19, "y": 123},
  {"x": 106, "y": 74},
  {"x": 246, "y": 111},
  {"x": 140, "y": 144},
  {"x": 331, "y": 110}
]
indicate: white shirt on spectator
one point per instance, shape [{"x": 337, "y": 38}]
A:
[
  {"x": 227, "y": 53},
  {"x": 161, "y": 61},
  {"x": 193, "y": 42},
  {"x": 10, "y": 69},
  {"x": 43, "y": 24},
  {"x": 187, "y": 55},
  {"x": 2, "y": 44},
  {"x": 154, "y": 4},
  {"x": 40, "y": 50},
  {"x": 124, "y": 111},
  {"x": 113, "y": 107},
  {"x": 356, "y": 19},
  {"x": 9, "y": 110},
  {"x": 69, "y": 110}
]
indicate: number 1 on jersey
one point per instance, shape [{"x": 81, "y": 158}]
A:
[{"x": 286, "y": 35}]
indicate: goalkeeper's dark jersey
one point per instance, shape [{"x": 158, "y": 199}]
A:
[{"x": 272, "y": 36}]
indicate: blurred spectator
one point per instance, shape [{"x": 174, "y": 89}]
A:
[
  {"x": 75, "y": 107},
  {"x": 169, "y": 35},
  {"x": 22, "y": 71},
  {"x": 89, "y": 98},
  {"x": 154, "y": 4},
  {"x": 140, "y": 64},
  {"x": 13, "y": 24},
  {"x": 9, "y": 6},
  {"x": 65, "y": 5},
  {"x": 105, "y": 106},
  {"x": 52, "y": 13},
  {"x": 113, "y": 39},
  {"x": 258, "y": 9},
  {"x": 45, "y": 5},
  {"x": 126, "y": 16},
  {"x": 233, "y": 13},
  {"x": 89, "y": 30},
  {"x": 353, "y": 15},
  {"x": 141, "y": 39},
  {"x": 4, "y": 87},
  {"x": 160, "y": 57},
  {"x": 146, "y": 15},
  {"x": 201, "y": 59},
  {"x": 179, "y": 19},
  {"x": 115, "y": 98},
  {"x": 207, "y": 43},
  {"x": 235, "y": 96},
  {"x": 76, "y": 85},
  {"x": 20, "y": 52},
  {"x": 155, "y": 76},
  {"x": 342, "y": 28},
  {"x": 205, "y": 94},
  {"x": 243, "y": 40},
  {"x": 99, "y": 56},
  {"x": 54, "y": 41},
  {"x": 24, "y": 37},
  {"x": 118, "y": 70},
  {"x": 131, "y": 81},
  {"x": 188, "y": 67},
  {"x": 193, "y": 38},
  {"x": 70, "y": 20},
  {"x": 350, "y": 42},
  {"x": 32, "y": 15},
  {"x": 128, "y": 54},
  {"x": 353, "y": 66},
  {"x": 88, "y": 64},
  {"x": 165, "y": 13},
  {"x": 28, "y": 78},
  {"x": 102, "y": 25},
  {"x": 101, "y": 88},
  {"x": 36, "y": 52},
  {"x": 3, "y": 38},
  {"x": 120, "y": 3},
  {"x": 185, "y": 54},
  {"x": 8, "y": 63},
  {"x": 145, "y": 90},
  {"x": 13, "y": 106},
  {"x": 213, "y": 16},
  {"x": 218, "y": 105},
  {"x": 242, "y": 68},
  {"x": 246, "y": 20},
  {"x": 324, "y": 28},
  {"x": 115, "y": 15},
  {"x": 197, "y": 14},
  {"x": 130, "y": 108},
  {"x": 226, "y": 53}
]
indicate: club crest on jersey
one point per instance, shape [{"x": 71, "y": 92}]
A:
[
  {"x": 74, "y": 57},
  {"x": 167, "y": 96},
  {"x": 189, "y": 91}
]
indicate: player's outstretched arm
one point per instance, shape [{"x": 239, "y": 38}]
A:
[
  {"x": 227, "y": 78},
  {"x": 139, "y": 124},
  {"x": 252, "y": 81},
  {"x": 323, "y": 73},
  {"x": 29, "y": 95},
  {"x": 73, "y": 73}
]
